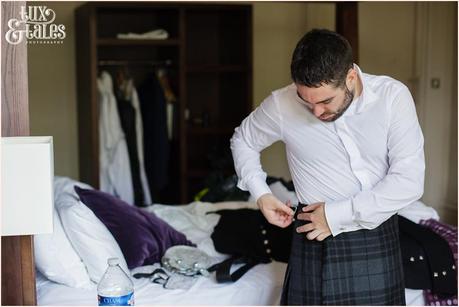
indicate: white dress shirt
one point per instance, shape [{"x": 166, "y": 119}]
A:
[
  {"x": 365, "y": 166},
  {"x": 115, "y": 171}
]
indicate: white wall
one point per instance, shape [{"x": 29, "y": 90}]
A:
[
  {"x": 277, "y": 27},
  {"x": 52, "y": 91},
  {"x": 387, "y": 40},
  {"x": 437, "y": 58},
  {"x": 418, "y": 44}
]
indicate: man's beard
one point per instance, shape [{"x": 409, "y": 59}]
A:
[{"x": 348, "y": 97}]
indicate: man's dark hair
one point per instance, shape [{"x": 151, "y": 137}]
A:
[{"x": 321, "y": 56}]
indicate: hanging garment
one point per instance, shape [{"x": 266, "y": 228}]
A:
[
  {"x": 127, "y": 117},
  {"x": 129, "y": 94},
  {"x": 170, "y": 99},
  {"x": 156, "y": 144},
  {"x": 115, "y": 171}
]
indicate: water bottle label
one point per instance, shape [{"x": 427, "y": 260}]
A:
[{"x": 125, "y": 300}]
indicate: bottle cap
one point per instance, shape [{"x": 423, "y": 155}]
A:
[{"x": 113, "y": 261}]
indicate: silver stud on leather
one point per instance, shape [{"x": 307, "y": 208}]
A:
[
  {"x": 268, "y": 251},
  {"x": 265, "y": 242},
  {"x": 263, "y": 231},
  {"x": 444, "y": 273},
  {"x": 421, "y": 258},
  {"x": 435, "y": 274},
  {"x": 412, "y": 259},
  {"x": 454, "y": 267}
]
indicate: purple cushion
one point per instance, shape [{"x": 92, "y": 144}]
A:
[{"x": 141, "y": 235}]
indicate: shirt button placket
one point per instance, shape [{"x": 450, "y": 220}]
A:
[{"x": 354, "y": 154}]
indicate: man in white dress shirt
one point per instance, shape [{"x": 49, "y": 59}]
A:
[{"x": 355, "y": 153}]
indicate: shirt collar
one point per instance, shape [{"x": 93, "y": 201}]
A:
[{"x": 367, "y": 96}]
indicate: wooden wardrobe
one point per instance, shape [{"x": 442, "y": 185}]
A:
[{"x": 210, "y": 54}]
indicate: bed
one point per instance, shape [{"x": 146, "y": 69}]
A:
[{"x": 261, "y": 285}]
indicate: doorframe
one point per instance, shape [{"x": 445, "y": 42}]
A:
[{"x": 435, "y": 24}]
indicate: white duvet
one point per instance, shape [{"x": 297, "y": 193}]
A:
[{"x": 261, "y": 285}]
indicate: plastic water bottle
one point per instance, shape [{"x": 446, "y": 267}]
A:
[{"x": 115, "y": 287}]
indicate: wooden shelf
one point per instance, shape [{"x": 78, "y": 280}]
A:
[
  {"x": 215, "y": 68},
  {"x": 137, "y": 42}
]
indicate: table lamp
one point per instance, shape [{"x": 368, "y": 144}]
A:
[{"x": 27, "y": 185}]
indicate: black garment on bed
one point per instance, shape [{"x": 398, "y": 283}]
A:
[
  {"x": 246, "y": 232},
  {"x": 428, "y": 261},
  {"x": 247, "y": 236},
  {"x": 362, "y": 267},
  {"x": 128, "y": 122}
]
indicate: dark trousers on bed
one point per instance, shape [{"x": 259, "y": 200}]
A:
[{"x": 362, "y": 267}]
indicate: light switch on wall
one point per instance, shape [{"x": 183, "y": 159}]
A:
[{"x": 435, "y": 83}]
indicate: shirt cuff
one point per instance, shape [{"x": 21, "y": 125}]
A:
[
  {"x": 258, "y": 187},
  {"x": 339, "y": 216}
]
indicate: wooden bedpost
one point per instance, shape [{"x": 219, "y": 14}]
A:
[{"x": 18, "y": 269}]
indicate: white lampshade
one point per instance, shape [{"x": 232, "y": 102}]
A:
[{"x": 27, "y": 185}]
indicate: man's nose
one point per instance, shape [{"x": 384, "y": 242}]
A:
[{"x": 318, "y": 110}]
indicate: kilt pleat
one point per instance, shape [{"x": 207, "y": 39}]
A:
[{"x": 361, "y": 267}]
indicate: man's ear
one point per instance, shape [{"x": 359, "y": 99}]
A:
[{"x": 351, "y": 76}]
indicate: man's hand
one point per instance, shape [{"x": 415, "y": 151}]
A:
[
  {"x": 276, "y": 212},
  {"x": 318, "y": 227}
]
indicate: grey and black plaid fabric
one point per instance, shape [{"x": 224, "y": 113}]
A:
[{"x": 362, "y": 267}]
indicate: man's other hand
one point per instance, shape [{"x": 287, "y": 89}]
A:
[
  {"x": 276, "y": 212},
  {"x": 318, "y": 228}
]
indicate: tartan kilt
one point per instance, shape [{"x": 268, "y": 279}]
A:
[{"x": 362, "y": 267}]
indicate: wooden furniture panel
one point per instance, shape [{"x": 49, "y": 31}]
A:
[
  {"x": 347, "y": 25},
  {"x": 18, "y": 269},
  {"x": 219, "y": 83}
]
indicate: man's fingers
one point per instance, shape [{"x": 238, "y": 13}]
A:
[
  {"x": 323, "y": 236},
  {"x": 305, "y": 228},
  {"x": 311, "y": 207},
  {"x": 304, "y": 216},
  {"x": 285, "y": 209},
  {"x": 313, "y": 234},
  {"x": 283, "y": 221}
]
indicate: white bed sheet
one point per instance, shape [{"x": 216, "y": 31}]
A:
[{"x": 261, "y": 285}]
